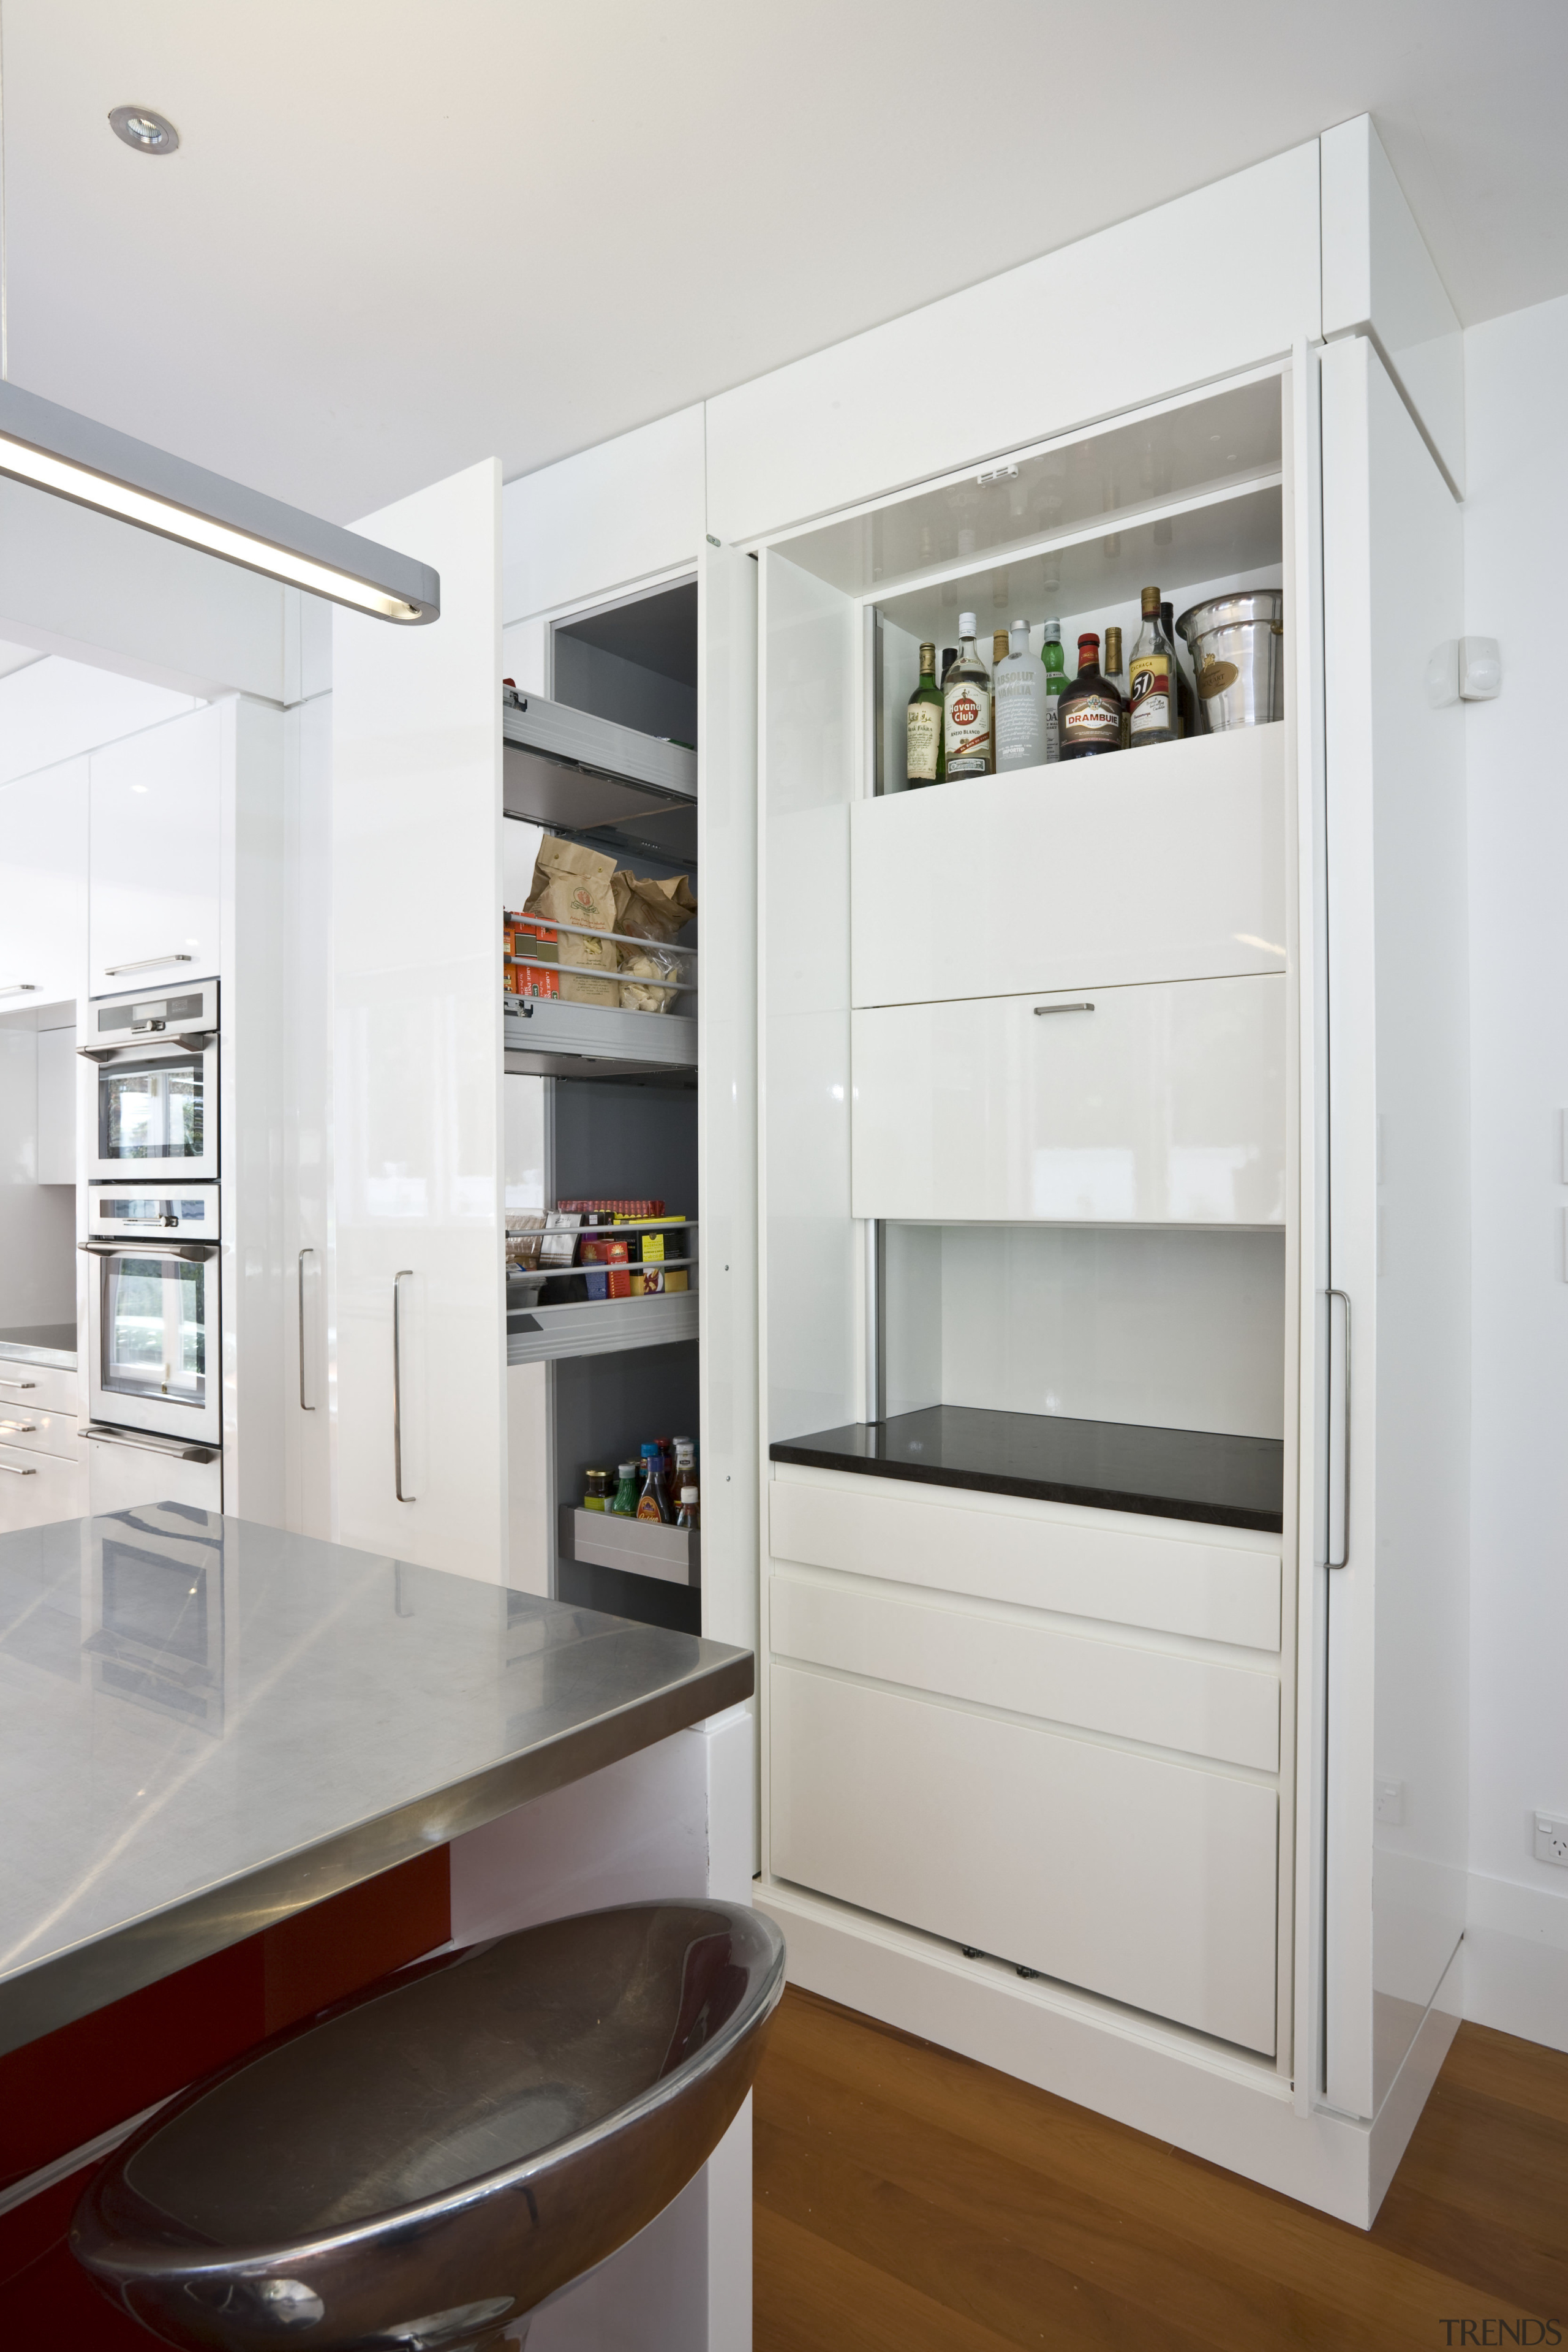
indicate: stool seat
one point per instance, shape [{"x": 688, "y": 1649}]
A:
[{"x": 428, "y": 2162}]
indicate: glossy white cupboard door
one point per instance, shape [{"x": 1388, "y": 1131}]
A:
[
  {"x": 419, "y": 1291},
  {"x": 1137, "y": 1106},
  {"x": 727, "y": 1101},
  {"x": 1399, "y": 1229},
  {"x": 1169, "y": 867},
  {"x": 1000, "y": 1834},
  {"x": 154, "y": 853},
  {"x": 37, "y": 1488},
  {"x": 43, "y": 885}
]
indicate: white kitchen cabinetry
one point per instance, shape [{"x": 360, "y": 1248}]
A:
[
  {"x": 1169, "y": 866},
  {"x": 155, "y": 854},
  {"x": 57, "y": 1068},
  {"x": 43, "y": 885},
  {"x": 38, "y": 1487},
  {"x": 1143, "y": 1105}
]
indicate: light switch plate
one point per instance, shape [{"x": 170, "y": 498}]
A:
[
  {"x": 1388, "y": 1802},
  {"x": 1552, "y": 1838}
]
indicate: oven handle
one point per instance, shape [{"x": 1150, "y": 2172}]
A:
[
  {"x": 193, "y": 1251},
  {"x": 192, "y": 1041},
  {"x": 150, "y": 1444}
]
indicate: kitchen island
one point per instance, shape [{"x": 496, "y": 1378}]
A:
[{"x": 244, "y": 1770}]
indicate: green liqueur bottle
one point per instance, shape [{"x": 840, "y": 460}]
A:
[
  {"x": 923, "y": 765},
  {"x": 1054, "y": 663}
]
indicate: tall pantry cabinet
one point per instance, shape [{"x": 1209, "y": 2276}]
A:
[{"x": 1162, "y": 1806}]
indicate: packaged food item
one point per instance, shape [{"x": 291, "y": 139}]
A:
[
  {"x": 624, "y": 1211},
  {"x": 606, "y": 1259},
  {"x": 652, "y": 1503},
  {"x": 524, "y": 1233},
  {"x": 654, "y": 910},
  {"x": 572, "y": 885},
  {"x": 596, "y": 1490},
  {"x": 687, "y": 1514},
  {"x": 534, "y": 955},
  {"x": 651, "y": 1248},
  {"x": 557, "y": 1253},
  {"x": 624, "y": 1501}
]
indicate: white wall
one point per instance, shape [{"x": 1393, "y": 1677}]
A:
[{"x": 1515, "y": 525}]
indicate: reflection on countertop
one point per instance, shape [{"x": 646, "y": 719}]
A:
[
  {"x": 1109, "y": 1466},
  {"x": 205, "y": 1725},
  {"x": 40, "y": 1343}
]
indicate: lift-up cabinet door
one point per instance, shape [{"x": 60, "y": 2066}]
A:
[
  {"x": 1141, "y": 1105},
  {"x": 154, "y": 853},
  {"x": 43, "y": 902}
]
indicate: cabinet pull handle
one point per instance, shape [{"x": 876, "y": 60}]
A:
[
  {"x": 20, "y": 1428},
  {"x": 1338, "y": 1510},
  {"x": 406, "y": 1274},
  {"x": 11, "y": 1471},
  {"x": 304, "y": 1254},
  {"x": 21, "y": 987},
  {"x": 144, "y": 963},
  {"x": 1063, "y": 1008},
  {"x": 19, "y": 1384}
]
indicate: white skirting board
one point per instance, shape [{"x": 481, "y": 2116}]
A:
[
  {"x": 1194, "y": 2094},
  {"x": 1516, "y": 1974}
]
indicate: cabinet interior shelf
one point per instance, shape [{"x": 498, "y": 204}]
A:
[
  {"x": 589, "y": 777},
  {"x": 599, "y": 1326}
]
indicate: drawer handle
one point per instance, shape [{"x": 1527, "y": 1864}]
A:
[
  {"x": 11, "y": 1470},
  {"x": 20, "y": 1428},
  {"x": 19, "y": 1384},
  {"x": 20, "y": 988},
  {"x": 1063, "y": 1008},
  {"x": 143, "y": 963}
]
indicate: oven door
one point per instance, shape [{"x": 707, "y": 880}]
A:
[
  {"x": 154, "y": 1358},
  {"x": 156, "y": 1112}
]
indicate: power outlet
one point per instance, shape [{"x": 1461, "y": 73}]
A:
[
  {"x": 1388, "y": 1802},
  {"x": 1552, "y": 1838}
]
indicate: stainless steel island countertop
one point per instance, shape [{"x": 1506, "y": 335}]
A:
[{"x": 206, "y": 1724}]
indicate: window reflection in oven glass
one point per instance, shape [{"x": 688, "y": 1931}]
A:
[
  {"x": 155, "y": 1328},
  {"x": 151, "y": 1111}
]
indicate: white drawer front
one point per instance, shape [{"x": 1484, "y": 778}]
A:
[
  {"x": 1162, "y": 1106},
  {"x": 38, "y": 1431},
  {"x": 38, "y": 1487},
  {"x": 1230, "y": 1714},
  {"x": 1149, "y": 1882},
  {"x": 871, "y": 1526},
  {"x": 27, "y": 1390},
  {"x": 1170, "y": 866}
]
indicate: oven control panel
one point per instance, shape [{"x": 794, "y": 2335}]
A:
[
  {"x": 175, "y": 1012},
  {"x": 134, "y": 1213}
]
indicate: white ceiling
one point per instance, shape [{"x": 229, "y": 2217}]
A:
[{"x": 398, "y": 236}]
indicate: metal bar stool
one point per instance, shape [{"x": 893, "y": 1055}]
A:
[{"x": 428, "y": 2162}]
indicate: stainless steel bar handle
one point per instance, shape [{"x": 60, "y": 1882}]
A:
[
  {"x": 304, "y": 1254},
  {"x": 19, "y": 1384},
  {"x": 21, "y": 987},
  {"x": 1339, "y": 1449},
  {"x": 406, "y": 1274},
  {"x": 144, "y": 963},
  {"x": 20, "y": 1428},
  {"x": 1064, "y": 1008},
  {"x": 11, "y": 1470}
]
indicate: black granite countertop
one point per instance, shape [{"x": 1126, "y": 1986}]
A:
[{"x": 1109, "y": 1466}]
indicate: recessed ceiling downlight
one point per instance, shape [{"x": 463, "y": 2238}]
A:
[{"x": 140, "y": 127}]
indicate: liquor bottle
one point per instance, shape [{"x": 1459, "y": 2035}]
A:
[
  {"x": 1186, "y": 700},
  {"x": 1018, "y": 692},
  {"x": 949, "y": 655},
  {"x": 966, "y": 708},
  {"x": 1153, "y": 715},
  {"x": 1091, "y": 708},
  {"x": 1053, "y": 661},
  {"x": 998, "y": 655},
  {"x": 924, "y": 724},
  {"x": 1116, "y": 676}
]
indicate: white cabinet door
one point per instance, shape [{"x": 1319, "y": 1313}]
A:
[
  {"x": 43, "y": 885},
  {"x": 155, "y": 854},
  {"x": 1151, "y": 1882},
  {"x": 36, "y": 1489},
  {"x": 1132, "y": 1106},
  {"x": 1169, "y": 867},
  {"x": 1398, "y": 1605},
  {"x": 58, "y": 1067}
]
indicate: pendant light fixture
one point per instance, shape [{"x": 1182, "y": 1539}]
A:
[{"x": 53, "y": 449}]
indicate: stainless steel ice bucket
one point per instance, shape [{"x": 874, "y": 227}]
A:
[{"x": 1238, "y": 646}]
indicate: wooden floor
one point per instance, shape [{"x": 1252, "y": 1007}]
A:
[{"x": 909, "y": 2201}]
